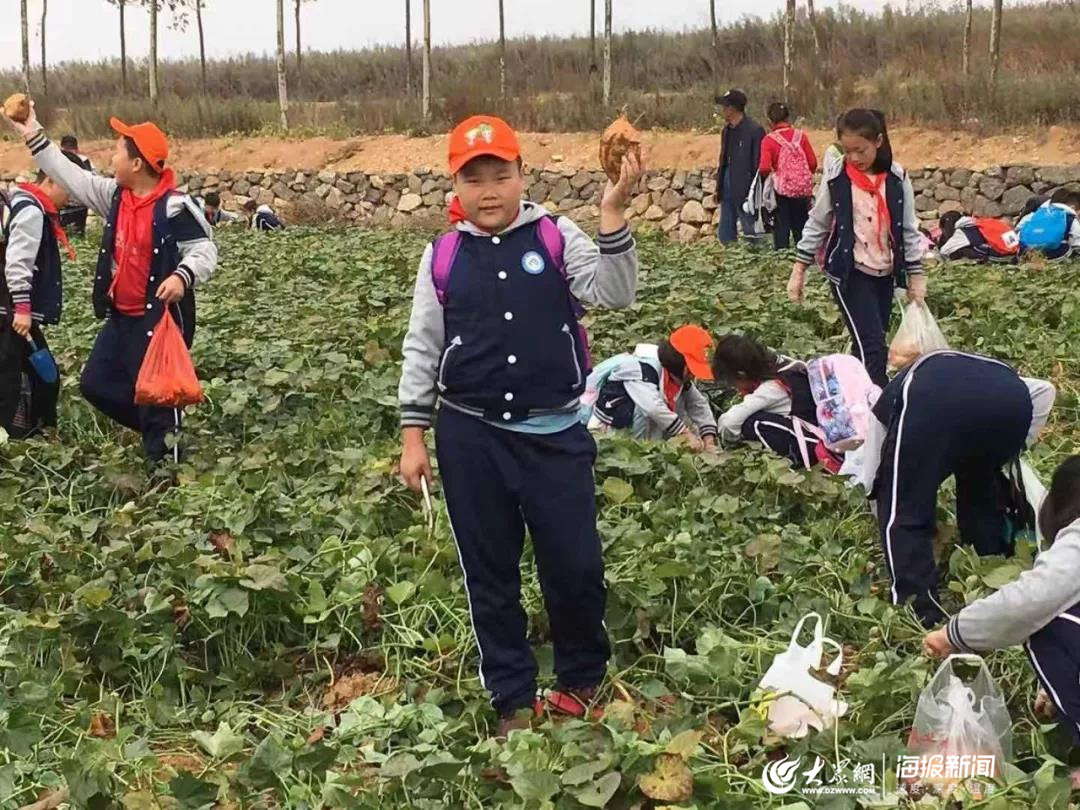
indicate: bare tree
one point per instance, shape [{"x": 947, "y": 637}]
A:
[
  {"x": 995, "y": 41},
  {"x": 25, "y": 48},
  {"x": 202, "y": 43},
  {"x": 44, "y": 69},
  {"x": 299, "y": 49},
  {"x": 153, "y": 66},
  {"x": 121, "y": 4},
  {"x": 282, "y": 85},
  {"x": 715, "y": 46},
  {"x": 966, "y": 53},
  {"x": 607, "y": 52},
  {"x": 592, "y": 35},
  {"x": 502, "y": 51},
  {"x": 789, "y": 47},
  {"x": 408, "y": 49},
  {"x": 425, "y": 100}
]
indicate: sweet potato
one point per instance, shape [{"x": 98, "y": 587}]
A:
[
  {"x": 17, "y": 107},
  {"x": 618, "y": 140}
]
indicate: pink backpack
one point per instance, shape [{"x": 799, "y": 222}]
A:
[
  {"x": 844, "y": 395},
  {"x": 444, "y": 251},
  {"x": 793, "y": 177}
]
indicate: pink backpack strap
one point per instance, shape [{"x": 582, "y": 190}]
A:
[
  {"x": 444, "y": 251},
  {"x": 552, "y": 239}
]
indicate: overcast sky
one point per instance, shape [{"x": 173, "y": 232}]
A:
[{"x": 89, "y": 29}]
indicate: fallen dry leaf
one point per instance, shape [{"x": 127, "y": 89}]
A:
[
  {"x": 102, "y": 725},
  {"x": 670, "y": 781}
]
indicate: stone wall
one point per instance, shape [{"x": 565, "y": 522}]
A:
[{"x": 680, "y": 203}]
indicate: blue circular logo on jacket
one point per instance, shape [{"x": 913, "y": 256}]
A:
[{"x": 533, "y": 263}]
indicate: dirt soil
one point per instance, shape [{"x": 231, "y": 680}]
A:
[{"x": 915, "y": 148}]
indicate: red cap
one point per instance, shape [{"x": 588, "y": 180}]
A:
[
  {"x": 151, "y": 141},
  {"x": 482, "y": 135},
  {"x": 693, "y": 342}
]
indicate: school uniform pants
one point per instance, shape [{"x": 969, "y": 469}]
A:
[
  {"x": 497, "y": 483},
  {"x": 865, "y": 304},
  {"x": 956, "y": 415},
  {"x": 1054, "y": 653},
  {"x": 791, "y": 216},
  {"x": 777, "y": 433},
  {"x": 15, "y": 363},
  {"x": 108, "y": 380}
]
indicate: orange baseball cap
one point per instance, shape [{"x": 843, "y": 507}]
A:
[
  {"x": 150, "y": 140},
  {"x": 482, "y": 135},
  {"x": 693, "y": 342}
]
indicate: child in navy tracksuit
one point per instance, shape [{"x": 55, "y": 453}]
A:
[
  {"x": 31, "y": 296},
  {"x": 494, "y": 339},
  {"x": 1040, "y": 609},
  {"x": 156, "y": 247},
  {"x": 948, "y": 414},
  {"x": 777, "y": 401},
  {"x": 864, "y": 215}
]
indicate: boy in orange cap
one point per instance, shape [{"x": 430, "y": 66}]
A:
[
  {"x": 156, "y": 247},
  {"x": 494, "y": 338},
  {"x": 652, "y": 394}
]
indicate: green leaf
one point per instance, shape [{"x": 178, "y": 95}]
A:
[
  {"x": 270, "y": 764},
  {"x": 399, "y": 766},
  {"x": 222, "y": 744},
  {"x": 617, "y": 490},
  {"x": 539, "y": 785},
  {"x": 684, "y": 744},
  {"x": 230, "y": 600},
  {"x": 672, "y": 569},
  {"x": 192, "y": 793},
  {"x": 599, "y": 793},
  {"x": 400, "y": 592},
  {"x": 264, "y": 578},
  {"x": 94, "y": 595},
  {"x": 1001, "y": 575},
  {"x": 585, "y": 772}
]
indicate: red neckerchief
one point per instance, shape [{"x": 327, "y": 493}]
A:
[
  {"x": 876, "y": 188},
  {"x": 49, "y": 206},
  {"x": 133, "y": 251},
  {"x": 670, "y": 388},
  {"x": 456, "y": 213}
]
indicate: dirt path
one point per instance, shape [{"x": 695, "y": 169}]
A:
[{"x": 913, "y": 147}]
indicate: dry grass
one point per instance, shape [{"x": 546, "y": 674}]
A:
[{"x": 907, "y": 62}]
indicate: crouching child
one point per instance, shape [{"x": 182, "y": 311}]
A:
[{"x": 494, "y": 341}]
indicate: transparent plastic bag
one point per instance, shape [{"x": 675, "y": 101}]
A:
[
  {"x": 918, "y": 334},
  {"x": 806, "y": 702},
  {"x": 959, "y": 726}
]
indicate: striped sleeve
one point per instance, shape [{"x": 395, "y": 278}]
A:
[{"x": 615, "y": 242}]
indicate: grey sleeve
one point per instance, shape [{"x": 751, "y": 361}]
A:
[
  {"x": 1074, "y": 232},
  {"x": 818, "y": 224},
  {"x": 194, "y": 240},
  {"x": 24, "y": 241},
  {"x": 421, "y": 352},
  {"x": 913, "y": 241},
  {"x": 958, "y": 241},
  {"x": 770, "y": 396},
  {"x": 1042, "y": 395},
  {"x": 603, "y": 273},
  {"x": 696, "y": 409},
  {"x": 85, "y": 187},
  {"x": 651, "y": 402},
  {"x": 1026, "y": 605}
]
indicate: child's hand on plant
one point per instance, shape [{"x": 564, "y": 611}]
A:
[
  {"x": 1044, "y": 706},
  {"x": 415, "y": 463},
  {"x": 797, "y": 283}
]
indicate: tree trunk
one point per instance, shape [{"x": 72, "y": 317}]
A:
[
  {"x": 789, "y": 48},
  {"x": 44, "y": 68},
  {"x": 966, "y": 53},
  {"x": 282, "y": 86},
  {"x": 25, "y": 49},
  {"x": 408, "y": 49},
  {"x": 202, "y": 43},
  {"x": 502, "y": 51},
  {"x": 592, "y": 35},
  {"x": 425, "y": 101},
  {"x": 607, "y": 52},
  {"x": 995, "y": 41},
  {"x": 153, "y": 53},
  {"x": 123, "y": 51},
  {"x": 299, "y": 51},
  {"x": 715, "y": 47}
]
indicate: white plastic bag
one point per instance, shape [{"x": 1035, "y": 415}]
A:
[
  {"x": 918, "y": 334},
  {"x": 1036, "y": 494},
  {"x": 806, "y": 702},
  {"x": 958, "y": 727}
]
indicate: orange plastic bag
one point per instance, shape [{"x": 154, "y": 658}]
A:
[{"x": 167, "y": 377}]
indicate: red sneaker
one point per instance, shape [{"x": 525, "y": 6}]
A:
[
  {"x": 829, "y": 460},
  {"x": 574, "y": 702}
]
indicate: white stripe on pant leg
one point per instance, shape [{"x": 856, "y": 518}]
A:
[
  {"x": 176, "y": 435},
  {"x": 895, "y": 479},
  {"x": 851, "y": 322},
  {"x": 757, "y": 429},
  {"x": 468, "y": 600},
  {"x": 1045, "y": 680}
]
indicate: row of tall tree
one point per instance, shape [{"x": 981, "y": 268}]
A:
[{"x": 182, "y": 11}]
